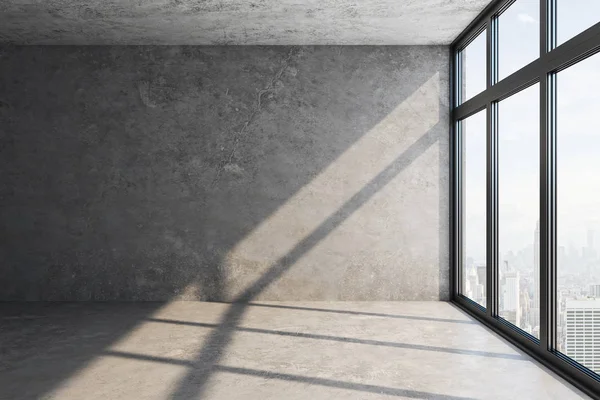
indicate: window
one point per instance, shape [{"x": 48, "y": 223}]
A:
[
  {"x": 526, "y": 190},
  {"x": 518, "y": 209},
  {"x": 472, "y": 65},
  {"x": 578, "y": 205},
  {"x": 518, "y": 36},
  {"x": 474, "y": 205}
]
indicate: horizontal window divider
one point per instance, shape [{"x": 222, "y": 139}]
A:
[
  {"x": 510, "y": 85},
  {"x": 565, "y": 55},
  {"x": 514, "y": 328},
  {"x": 467, "y": 113},
  {"x": 465, "y": 301},
  {"x": 574, "y": 50}
]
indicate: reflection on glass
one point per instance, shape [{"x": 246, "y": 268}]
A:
[
  {"x": 575, "y": 16},
  {"x": 578, "y": 212},
  {"x": 519, "y": 32},
  {"x": 518, "y": 209},
  {"x": 473, "y": 60},
  {"x": 474, "y": 207}
]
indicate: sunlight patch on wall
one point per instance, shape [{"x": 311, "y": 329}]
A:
[{"x": 412, "y": 198}]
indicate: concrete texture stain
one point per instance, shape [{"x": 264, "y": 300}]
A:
[
  {"x": 236, "y": 22},
  {"x": 268, "y": 90},
  {"x": 157, "y": 173}
]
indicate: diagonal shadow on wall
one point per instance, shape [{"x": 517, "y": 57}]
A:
[{"x": 216, "y": 344}]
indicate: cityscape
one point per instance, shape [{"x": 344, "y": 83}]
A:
[{"x": 578, "y": 287}]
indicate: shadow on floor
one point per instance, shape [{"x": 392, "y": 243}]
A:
[
  {"x": 349, "y": 340},
  {"x": 413, "y": 394},
  {"x": 368, "y": 314}
]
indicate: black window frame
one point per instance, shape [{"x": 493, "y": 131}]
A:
[{"x": 543, "y": 70}]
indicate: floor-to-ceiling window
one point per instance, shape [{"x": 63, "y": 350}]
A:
[
  {"x": 526, "y": 113},
  {"x": 518, "y": 210},
  {"x": 474, "y": 191}
]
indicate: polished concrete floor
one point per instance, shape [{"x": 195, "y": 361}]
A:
[{"x": 310, "y": 350}]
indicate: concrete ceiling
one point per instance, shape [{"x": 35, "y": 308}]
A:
[{"x": 235, "y": 22}]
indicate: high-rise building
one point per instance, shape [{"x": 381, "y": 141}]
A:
[
  {"x": 590, "y": 243},
  {"x": 582, "y": 336},
  {"x": 481, "y": 275},
  {"x": 525, "y": 303},
  {"x": 472, "y": 284},
  {"x": 511, "y": 309},
  {"x": 594, "y": 291},
  {"x": 482, "y": 281},
  {"x": 511, "y": 291}
]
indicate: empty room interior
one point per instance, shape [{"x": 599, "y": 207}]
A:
[{"x": 299, "y": 199}]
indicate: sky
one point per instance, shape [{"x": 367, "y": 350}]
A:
[{"x": 578, "y": 157}]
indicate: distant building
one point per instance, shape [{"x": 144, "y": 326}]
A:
[
  {"x": 471, "y": 284},
  {"x": 594, "y": 291},
  {"x": 525, "y": 303},
  {"x": 482, "y": 279},
  {"x": 511, "y": 290},
  {"x": 582, "y": 336},
  {"x": 591, "y": 246},
  {"x": 510, "y": 298},
  {"x": 474, "y": 285}
]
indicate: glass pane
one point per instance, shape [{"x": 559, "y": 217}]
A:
[
  {"x": 574, "y": 17},
  {"x": 578, "y": 212},
  {"x": 518, "y": 36},
  {"x": 474, "y": 207},
  {"x": 518, "y": 209},
  {"x": 473, "y": 60}
]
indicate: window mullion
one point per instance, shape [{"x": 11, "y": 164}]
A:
[
  {"x": 547, "y": 287},
  {"x": 492, "y": 173}
]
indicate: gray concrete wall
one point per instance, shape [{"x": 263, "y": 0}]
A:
[{"x": 224, "y": 173}]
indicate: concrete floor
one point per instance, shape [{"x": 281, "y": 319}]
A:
[{"x": 316, "y": 350}]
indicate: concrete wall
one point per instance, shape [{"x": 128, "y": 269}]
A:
[{"x": 224, "y": 173}]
